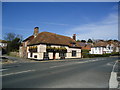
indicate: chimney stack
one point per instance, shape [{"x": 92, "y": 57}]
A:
[
  {"x": 74, "y": 37},
  {"x": 36, "y": 31}
]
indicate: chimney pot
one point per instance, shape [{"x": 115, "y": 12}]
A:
[
  {"x": 74, "y": 37},
  {"x": 36, "y": 31}
]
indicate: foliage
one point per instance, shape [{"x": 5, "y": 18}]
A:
[
  {"x": 85, "y": 54},
  {"x": 13, "y": 42},
  {"x": 115, "y": 53},
  {"x": 100, "y": 55},
  {"x": 83, "y": 41},
  {"x": 115, "y": 40},
  {"x": 56, "y": 49},
  {"x": 33, "y": 48},
  {"x": 78, "y": 40},
  {"x": 9, "y": 36},
  {"x": 90, "y": 41}
]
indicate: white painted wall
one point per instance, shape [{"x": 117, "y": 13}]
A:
[
  {"x": 3, "y": 44},
  {"x": 57, "y": 56},
  {"x": 69, "y": 52},
  {"x": 42, "y": 48},
  {"x": 39, "y": 55},
  {"x": 97, "y": 50},
  {"x": 101, "y": 50},
  {"x": 117, "y": 49},
  {"x": 20, "y": 51},
  {"x": 50, "y": 55}
]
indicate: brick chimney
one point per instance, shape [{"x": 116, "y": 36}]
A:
[
  {"x": 74, "y": 37},
  {"x": 36, "y": 31}
]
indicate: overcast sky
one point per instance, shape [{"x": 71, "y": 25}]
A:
[{"x": 95, "y": 20}]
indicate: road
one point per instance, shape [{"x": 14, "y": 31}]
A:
[{"x": 82, "y": 73}]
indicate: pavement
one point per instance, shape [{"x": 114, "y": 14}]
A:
[
  {"x": 80, "y": 73},
  {"x": 12, "y": 60}
]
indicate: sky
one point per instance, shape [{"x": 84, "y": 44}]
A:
[{"x": 94, "y": 20}]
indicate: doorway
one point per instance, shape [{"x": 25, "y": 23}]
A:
[{"x": 54, "y": 55}]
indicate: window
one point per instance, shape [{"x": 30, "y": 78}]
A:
[
  {"x": 73, "y": 45},
  {"x": 73, "y": 53},
  {"x": 95, "y": 48},
  {"x": 108, "y": 47},
  {"x": 46, "y": 56},
  {"x": 62, "y": 54},
  {"x": 31, "y": 54},
  {"x": 35, "y": 56}
]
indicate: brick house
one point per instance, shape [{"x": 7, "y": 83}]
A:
[{"x": 46, "y": 45}]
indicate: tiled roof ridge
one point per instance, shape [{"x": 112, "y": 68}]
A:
[
  {"x": 56, "y": 34},
  {"x": 52, "y": 38}
]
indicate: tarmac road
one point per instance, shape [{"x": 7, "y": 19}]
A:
[{"x": 82, "y": 73}]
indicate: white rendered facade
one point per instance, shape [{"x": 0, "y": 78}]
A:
[
  {"x": 3, "y": 44},
  {"x": 102, "y": 50},
  {"x": 41, "y": 50}
]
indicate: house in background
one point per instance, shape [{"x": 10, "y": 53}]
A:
[
  {"x": 102, "y": 47},
  {"x": 85, "y": 46},
  {"x": 3, "y": 43},
  {"x": 3, "y": 46},
  {"x": 46, "y": 45}
]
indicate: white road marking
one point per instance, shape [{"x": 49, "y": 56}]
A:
[
  {"x": 109, "y": 64},
  {"x": 74, "y": 63},
  {"x": 114, "y": 66},
  {"x": 3, "y": 70},
  {"x": 57, "y": 66},
  {"x": 113, "y": 83},
  {"x": 17, "y": 72}
]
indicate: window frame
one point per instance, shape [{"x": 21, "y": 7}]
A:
[
  {"x": 62, "y": 54},
  {"x": 74, "y": 53}
]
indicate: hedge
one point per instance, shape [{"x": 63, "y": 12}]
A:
[{"x": 87, "y": 55}]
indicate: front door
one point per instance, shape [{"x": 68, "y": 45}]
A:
[{"x": 54, "y": 55}]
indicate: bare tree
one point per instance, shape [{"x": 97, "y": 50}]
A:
[
  {"x": 13, "y": 41},
  {"x": 9, "y": 36}
]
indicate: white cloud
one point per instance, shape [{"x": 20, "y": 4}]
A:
[{"x": 104, "y": 29}]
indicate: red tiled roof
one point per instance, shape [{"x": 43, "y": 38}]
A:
[
  {"x": 52, "y": 38},
  {"x": 29, "y": 38},
  {"x": 101, "y": 44},
  {"x": 87, "y": 47}
]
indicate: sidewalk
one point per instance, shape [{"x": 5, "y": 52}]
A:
[{"x": 11, "y": 60}]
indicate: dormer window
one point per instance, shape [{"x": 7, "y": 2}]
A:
[{"x": 73, "y": 43}]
